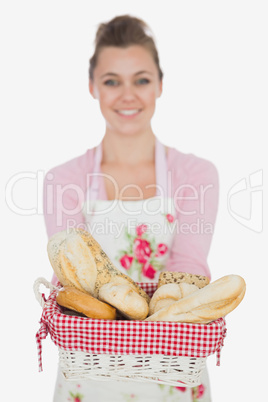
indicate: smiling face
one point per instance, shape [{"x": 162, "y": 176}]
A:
[{"x": 126, "y": 83}]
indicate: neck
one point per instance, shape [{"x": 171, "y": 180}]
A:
[{"x": 128, "y": 150}]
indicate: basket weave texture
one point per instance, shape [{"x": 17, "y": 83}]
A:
[{"x": 164, "y": 352}]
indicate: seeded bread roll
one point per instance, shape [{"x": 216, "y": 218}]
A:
[
  {"x": 182, "y": 277},
  {"x": 214, "y": 301},
  {"x": 167, "y": 294},
  {"x": 84, "y": 303}
]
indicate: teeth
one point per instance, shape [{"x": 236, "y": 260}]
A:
[{"x": 128, "y": 112}]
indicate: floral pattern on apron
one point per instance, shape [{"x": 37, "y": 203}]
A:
[
  {"x": 137, "y": 236},
  {"x": 138, "y": 245}
]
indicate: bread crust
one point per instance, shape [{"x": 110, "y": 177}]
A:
[
  {"x": 84, "y": 303},
  {"x": 214, "y": 301},
  {"x": 167, "y": 294},
  {"x": 182, "y": 277},
  {"x": 125, "y": 299},
  {"x": 79, "y": 261}
]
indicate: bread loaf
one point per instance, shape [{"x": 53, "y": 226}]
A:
[
  {"x": 167, "y": 294},
  {"x": 84, "y": 303},
  {"x": 213, "y": 301},
  {"x": 125, "y": 299},
  {"x": 79, "y": 261},
  {"x": 182, "y": 277}
]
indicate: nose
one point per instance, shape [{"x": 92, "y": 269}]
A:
[{"x": 128, "y": 93}]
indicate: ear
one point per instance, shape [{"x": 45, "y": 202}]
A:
[
  {"x": 91, "y": 88},
  {"x": 160, "y": 88}
]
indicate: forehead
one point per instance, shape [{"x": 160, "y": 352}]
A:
[{"x": 125, "y": 61}]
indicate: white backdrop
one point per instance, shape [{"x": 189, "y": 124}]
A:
[{"x": 214, "y": 104}]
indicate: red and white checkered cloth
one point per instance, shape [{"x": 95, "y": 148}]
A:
[{"x": 128, "y": 337}]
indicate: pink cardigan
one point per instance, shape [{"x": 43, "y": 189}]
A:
[{"x": 194, "y": 186}]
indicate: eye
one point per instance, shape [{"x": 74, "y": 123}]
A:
[
  {"x": 111, "y": 83},
  {"x": 142, "y": 81}
]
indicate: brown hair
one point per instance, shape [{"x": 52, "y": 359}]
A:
[{"x": 123, "y": 31}]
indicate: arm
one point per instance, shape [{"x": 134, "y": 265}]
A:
[
  {"x": 196, "y": 193},
  {"x": 62, "y": 201},
  {"x": 64, "y": 194}
]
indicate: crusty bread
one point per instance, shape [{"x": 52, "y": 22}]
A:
[
  {"x": 125, "y": 299},
  {"x": 167, "y": 294},
  {"x": 213, "y": 301},
  {"x": 182, "y": 277},
  {"x": 78, "y": 260},
  {"x": 84, "y": 303}
]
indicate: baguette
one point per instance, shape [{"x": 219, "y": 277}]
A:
[
  {"x": 214, "y": 301},
  {"x": 84, "y": 303}
]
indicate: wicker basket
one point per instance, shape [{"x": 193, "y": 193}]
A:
[
  {"x": 146, "y": 368},
  {"x": 76, "y": 364}
]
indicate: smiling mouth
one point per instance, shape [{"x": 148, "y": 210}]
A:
[{"x": 128, "y": 112}]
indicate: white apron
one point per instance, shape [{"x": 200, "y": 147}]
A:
[{"x": 137, "y": 236}]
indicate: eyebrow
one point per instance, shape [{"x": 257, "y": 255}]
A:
[{"x": 138, "y": 73}]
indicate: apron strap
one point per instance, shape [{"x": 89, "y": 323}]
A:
[
  {"x": 93, "y": 189},
  {"x": 160, "y": 167}
]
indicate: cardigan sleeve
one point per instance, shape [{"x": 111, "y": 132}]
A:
[
  {"x": 63, "y": 197},
  {"x": 64, "y": 193},
  {"x": 196, "y": 193}
]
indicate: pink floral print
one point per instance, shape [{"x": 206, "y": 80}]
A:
[
  {"x": 161, "y": 249},
  {"x": 126, "y": 261},
  {"x": 142, "y": 250},
  {"x": 148, "y": 270},
  {"x": 141, "y": 229},
  {"x": 142, "y": 254},
  {"x": 198, "y": 392},
  {"x": 173, "y": 394},
  {"x": 170, "y": 218},
  {"x": 182, "y": 389},
  {"x": 130, "y": 398},
  {"x": 75, "y": 397}
]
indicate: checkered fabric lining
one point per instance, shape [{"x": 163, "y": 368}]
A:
[{"x": 128, "y": 337}]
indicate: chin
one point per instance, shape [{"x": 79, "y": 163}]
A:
[{"x": 127, "y": 131}]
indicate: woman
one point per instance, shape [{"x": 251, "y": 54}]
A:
[{"x": 151, "y": 208}]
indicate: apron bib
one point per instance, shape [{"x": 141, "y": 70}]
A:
[{"x": 136, "y": 235}]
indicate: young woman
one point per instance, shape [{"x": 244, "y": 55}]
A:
[{"x": 151, "y": 207}]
